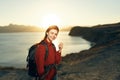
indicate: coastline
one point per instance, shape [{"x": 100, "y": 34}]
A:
[{"x": 100, "y": 62}]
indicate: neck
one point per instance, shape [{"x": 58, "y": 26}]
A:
[{"x": 48, "y": 40}]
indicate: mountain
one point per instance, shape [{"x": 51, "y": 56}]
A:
[
  {"x": 19, "y": 28},
  {"x": 101, "y": 34}
]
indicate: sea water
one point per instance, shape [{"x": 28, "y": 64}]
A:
[{"x": 14, "y": 46}]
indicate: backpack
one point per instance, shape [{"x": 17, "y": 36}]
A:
[{"x": 31, "y": 64}]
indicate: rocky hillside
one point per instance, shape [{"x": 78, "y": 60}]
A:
[
  {"x": 100, "y": 34},
  {"x": 100, "y": 62}
]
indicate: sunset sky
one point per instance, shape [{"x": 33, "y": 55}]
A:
[{"x": 59, "y": 12}]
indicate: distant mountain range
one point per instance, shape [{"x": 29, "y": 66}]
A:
[
  {"x": 27, "y": 28},
  {"x": 23, "y": 28},
  {"x": 18, "y": 28}
]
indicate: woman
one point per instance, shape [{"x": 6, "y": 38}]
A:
[{"x": 54, "y": 57}]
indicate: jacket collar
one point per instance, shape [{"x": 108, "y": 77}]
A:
[{"x": 48, "y": 43}]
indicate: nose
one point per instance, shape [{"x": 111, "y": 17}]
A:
[{"x": 54, "y": 36}]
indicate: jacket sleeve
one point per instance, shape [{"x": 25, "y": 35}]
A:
[
  {"x": 58, "y": 57},
  {"x": 39, "y": 58}
]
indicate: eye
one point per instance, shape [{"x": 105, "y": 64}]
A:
[
  {"x": 56, "y": 34},
  {"x": 52, "y": 32}
]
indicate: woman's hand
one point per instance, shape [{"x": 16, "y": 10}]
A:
[{"x": 60, "y": 46}]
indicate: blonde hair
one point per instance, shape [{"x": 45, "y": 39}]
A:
[{"x": 49, "y": 28}]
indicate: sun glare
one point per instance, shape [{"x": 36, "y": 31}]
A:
[{"x": 50, "y": 19}]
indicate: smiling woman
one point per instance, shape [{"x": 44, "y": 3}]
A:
[{"x": 50, "y": 19}]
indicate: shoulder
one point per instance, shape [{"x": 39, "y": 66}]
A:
[{"x": 41, "y": 46}]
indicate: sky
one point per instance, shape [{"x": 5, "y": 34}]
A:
[{"x": 59, "y": 12}]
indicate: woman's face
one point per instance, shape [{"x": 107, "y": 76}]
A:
[{"x": 52, "y": 34}]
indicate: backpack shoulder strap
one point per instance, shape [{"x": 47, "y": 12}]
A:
[
  {"x": 53, "y": 46},
  {"x": 46, "y": 48}
]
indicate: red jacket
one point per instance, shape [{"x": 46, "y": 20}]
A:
[{"x": 54, "y": 57}]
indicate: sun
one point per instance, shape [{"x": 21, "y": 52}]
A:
[{"x": 50, "y": 19}]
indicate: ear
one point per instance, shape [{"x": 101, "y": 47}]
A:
[{"x": 47, "y": 33}]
